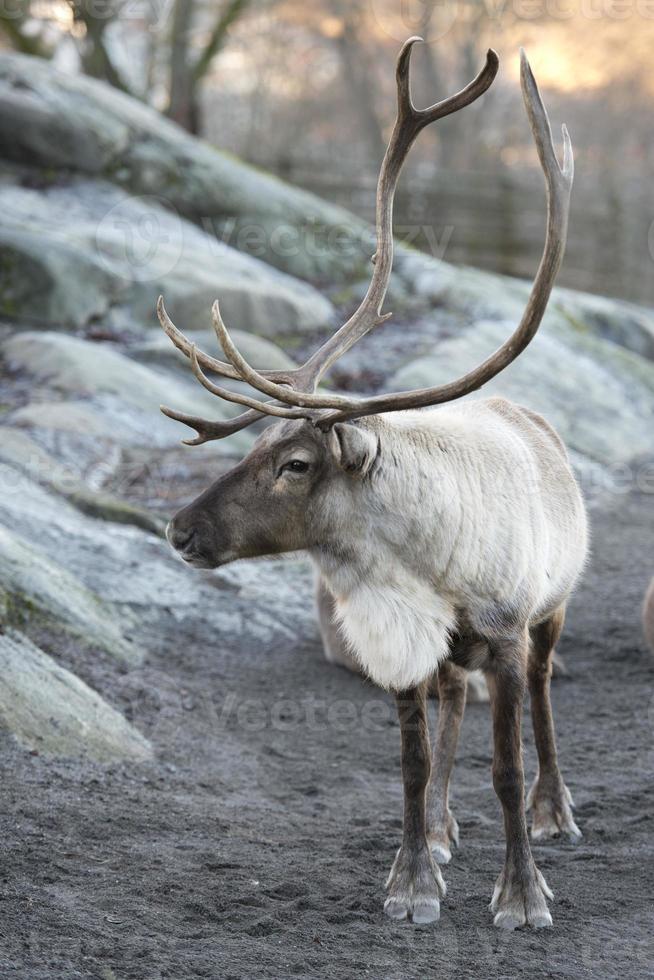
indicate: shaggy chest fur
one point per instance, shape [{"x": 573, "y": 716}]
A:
[{"x": 399, "y": 630}]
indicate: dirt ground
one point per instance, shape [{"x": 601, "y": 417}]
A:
[{"x": 257, "y": 844}]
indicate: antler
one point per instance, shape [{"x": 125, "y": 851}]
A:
[
  {"x": 305, "y": 379},
  {"x": 558, "y": 181}
]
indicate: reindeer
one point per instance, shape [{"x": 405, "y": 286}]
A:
[{"x": 450, "y": 539}]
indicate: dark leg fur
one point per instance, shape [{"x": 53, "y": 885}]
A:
[
  {"x": 549, "y": 797},
  {"x": 521, "y": 891},
  {"x": 442, "y": 828},
  {"x": 415, "y": 885}
]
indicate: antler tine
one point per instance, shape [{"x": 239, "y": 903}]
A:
[
  {"x": 265, "y": 408},
  {"x": 247, "y": 373},
  {"x": 423, "y": 117},
  {"x": 208, "y": 430},
  {"x": 184, "y": 345},
  {"x": 541, "y": 129}
]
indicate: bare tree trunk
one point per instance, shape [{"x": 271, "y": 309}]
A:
[
  {"x": 233, "y": 10},
  {"x": 96, "y": 61},
  {"x": 182, "y": 106},
  {"x": 351, "y": 50},
  {"x": 435, "y": 87},
  {"x": 186, "y": 73}
]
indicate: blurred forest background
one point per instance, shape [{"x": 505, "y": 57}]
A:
[{"x": 307, "y": 92}]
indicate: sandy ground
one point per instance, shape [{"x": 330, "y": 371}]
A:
[{"x": 257, "y": 844}]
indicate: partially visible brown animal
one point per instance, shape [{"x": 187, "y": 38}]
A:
[{"x": 648, "y": 616}]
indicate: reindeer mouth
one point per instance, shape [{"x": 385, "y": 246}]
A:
[
  {"x": 185, "y": 545},
  {"x": 196, "y": 560}
]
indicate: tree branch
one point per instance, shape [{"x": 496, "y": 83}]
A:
[
  {"x": 232, "y": 12},
  {"x": 95, "y": 59}
]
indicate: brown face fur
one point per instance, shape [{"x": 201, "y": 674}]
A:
[{"x": 270, "y": 502}]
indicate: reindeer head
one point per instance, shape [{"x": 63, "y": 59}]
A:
[
  {"x": 304, "y": 476},
  {"x": 274, "y": 500}
]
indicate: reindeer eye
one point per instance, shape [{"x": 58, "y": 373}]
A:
[{"x": 296, "y": 466}]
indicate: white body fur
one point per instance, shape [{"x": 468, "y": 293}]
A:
[{"x": 471, "y": 515}]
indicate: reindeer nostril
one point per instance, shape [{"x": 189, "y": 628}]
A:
[{"x": 179, "y": 538}]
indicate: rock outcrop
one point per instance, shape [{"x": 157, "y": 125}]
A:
[
  {"x": 51, "y": 711},
  {"x": 76, "y": 252}
]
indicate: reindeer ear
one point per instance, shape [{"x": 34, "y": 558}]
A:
[{"x": 354, "y": 448}]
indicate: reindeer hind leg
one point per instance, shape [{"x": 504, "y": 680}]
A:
[
  {"x": 521, "y": 892},
  {"x": 442, "y": 828},
  {"x": 549, "y": 798}
]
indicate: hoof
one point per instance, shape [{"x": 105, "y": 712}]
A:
[
  {"x": 516, "y": 918},
  {"x": 440, "y": 851},
  {"x": 443, "y": 838},
  {"x": 401, "y": 907},
  {"x": 551, "y": 807},
  {"x": 521, "y": 902},
  {"x": 415, "y": 886}
]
